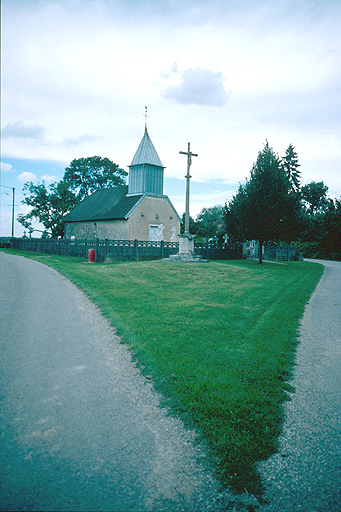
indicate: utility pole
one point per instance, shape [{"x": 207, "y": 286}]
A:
[
  {"x": 13, "y": 200},
  {"x": 13, "y": 197}
]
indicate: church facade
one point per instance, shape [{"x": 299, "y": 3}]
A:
[{"x": 137, "y": 211}]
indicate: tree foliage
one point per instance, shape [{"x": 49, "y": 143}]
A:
[
  {"x": 82, "y": 177},
  {"x": 86, "y": 175},
  {"x": 237, "y": 215},
  {"x": 321, "y": 236},
  {"x": 314, "y": 196},
  {"x": 192, "y": 225},
  {"x": 290, "y": 164},
  {"x": 330, "y": 230},
  {"x": 48, "y": 206},
  {"x": 210, "y": 222},
  {"x": 266, "y": 208}
]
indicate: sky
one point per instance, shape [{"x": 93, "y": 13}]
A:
[{"x": 224, "y": 75}]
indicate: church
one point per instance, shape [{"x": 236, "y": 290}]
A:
[{"x": 137, "y": 211}]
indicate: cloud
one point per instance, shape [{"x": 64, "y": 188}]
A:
[
  {"x": 6, "y": 167},
  {"x": 281, "y": 63},
  {"x": 168, "y": 74},
  {"x": 199, "y": 87},
  {"x": 27, "y": 176},
  {"x": 20, "y": 130},
  {"x": 48, "y": 178},
  {"x": 76, "y": 141}
]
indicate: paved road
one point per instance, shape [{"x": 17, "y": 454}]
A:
[
  {"x": 306, "y": 473},
  {"x": 81, "y": 428}
]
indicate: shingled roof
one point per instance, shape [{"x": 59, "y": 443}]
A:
[
  {"x": 104, "y": 204},
  {"x": 146, "y": 153}
]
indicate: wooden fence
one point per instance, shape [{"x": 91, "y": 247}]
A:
[{"x": 122, "y": 250}]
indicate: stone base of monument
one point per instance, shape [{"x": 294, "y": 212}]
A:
[
  {"x": 186, "y": 250},
  {"x": 187, "y": 256}
]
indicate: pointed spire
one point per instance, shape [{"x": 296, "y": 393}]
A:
[{"x": 146, "y": 153}]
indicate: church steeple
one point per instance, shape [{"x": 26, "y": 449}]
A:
[{"x": 146, "y": 169}]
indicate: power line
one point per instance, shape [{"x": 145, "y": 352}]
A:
[{"x": 5, "y": 186}]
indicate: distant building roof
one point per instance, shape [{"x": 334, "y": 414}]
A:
[
  {"x": 146, "y": 153},
  {"x": 104, "y": 204}
]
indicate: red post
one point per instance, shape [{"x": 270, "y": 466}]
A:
[{"x": 91, "y": 256}]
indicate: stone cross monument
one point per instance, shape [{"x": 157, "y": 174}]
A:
[
  {"x": 188, "y": 177},
  {"x": 186, "y": 240}
]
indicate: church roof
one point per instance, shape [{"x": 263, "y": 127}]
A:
[
  {"x": 104, "y": 204},
  {"x": 146, "y": 153}
]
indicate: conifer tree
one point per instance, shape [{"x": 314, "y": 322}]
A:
[
  {"x": 290, "y": 164},
  {"x": 266, "y": 208}
]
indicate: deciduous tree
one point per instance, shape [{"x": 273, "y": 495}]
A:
[
  {"x": 86, "y": 175},
  {"x": 315, "y": 197},
  {"x": 210, "y": 222},
  {"x": 50, "y": 203},
  {"x": 48, "y": 206},
  {"x": 321, "y": 237},
  {"x": 192, "y": 225}
]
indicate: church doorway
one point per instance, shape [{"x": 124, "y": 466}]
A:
[{"x": 153, "y": 232}]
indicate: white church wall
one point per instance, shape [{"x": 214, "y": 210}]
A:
[{"x": 151, "y": 212}]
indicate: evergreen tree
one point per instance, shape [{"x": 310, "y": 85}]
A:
[
  {"x": 265, "y": 208},
  {"x": 290, "y": 164}
]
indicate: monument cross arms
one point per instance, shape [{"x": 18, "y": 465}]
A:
[{"x": 188, "y": 177}]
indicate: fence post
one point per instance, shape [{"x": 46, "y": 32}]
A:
[
  {"x": 136, "y": 251},
  {"x": 161, "y": 248},
  {"x": 96, "y": 251}
]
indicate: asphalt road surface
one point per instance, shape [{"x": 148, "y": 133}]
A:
[
  {"x": 306, "y": 473},
  {"x": 81, "y": 429}
]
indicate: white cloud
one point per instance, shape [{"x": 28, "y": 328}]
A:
[
  {"x": 6, "y": 167},
  {"x": 48, "y": 178},
  {"x": 20, "y": 130},
  {"x": 281, "y": 61},
  {"x": 81, "y": 139},
  {"x": 199, "y": 87},
  {"x": 27, "y": 176}
]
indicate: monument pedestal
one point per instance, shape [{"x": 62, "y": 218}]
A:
[{"x": 186, "y": 250}]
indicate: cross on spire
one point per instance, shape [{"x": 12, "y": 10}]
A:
[
  {"x": 188, "y": 177},
  {"x": 145, "y": 117}
]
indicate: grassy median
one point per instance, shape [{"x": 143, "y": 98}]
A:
[{"x": 218, "y": 340}]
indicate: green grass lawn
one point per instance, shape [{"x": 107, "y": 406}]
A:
[{"x": 218, "y": 339}]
